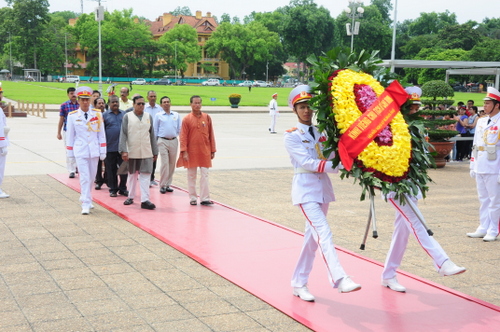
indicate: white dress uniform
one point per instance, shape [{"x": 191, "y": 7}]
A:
[
  {"x": 4, "y": 143},
  {"x": 312, "y": 191},
  {"x": 485, "y": 162},
  {"x": 274, "y": 113},
  {"x": 407, "y": 222},
  {"x": 86, "y": 142}
]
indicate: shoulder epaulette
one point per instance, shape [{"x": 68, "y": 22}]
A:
[
  {"x": 72, "y": 112},
  {"x": 291, "y": 130},
  {"x": 97, "y": 110}
]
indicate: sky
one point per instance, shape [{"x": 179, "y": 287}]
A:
[{"x": 475, "y": 10}]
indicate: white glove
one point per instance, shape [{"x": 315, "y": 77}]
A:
[
  {"x": 3, "y": 151},
  {"x": 102, "y": 156},
  {"x": 472, "y": 174}
]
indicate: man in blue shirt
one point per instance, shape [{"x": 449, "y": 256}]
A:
[
  {"x": 67, "y": 107},
  {"x": 112, "y": 124},
  {"x": 167, "y": 126}
]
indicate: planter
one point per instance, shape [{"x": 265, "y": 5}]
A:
[
  {"x": 442, "y": 150},
  {"x": 234, "y": 102}
]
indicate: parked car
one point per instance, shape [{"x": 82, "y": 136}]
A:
[
  {"x": 246, "y": 83},
  {"x": 260, "y": 83},
  {"x": 72, "y": 79},
  {"x": 163, "y": 81},
  {"x": 139, "y": 81},
  {"x": 211, "y": 81}
]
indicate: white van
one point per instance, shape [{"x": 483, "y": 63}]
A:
[{"x": 72, "y": 79}]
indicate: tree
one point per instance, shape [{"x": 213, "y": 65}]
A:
[
  {"x": 241, "y": 46},
  {"x": 29, "y": 18},
  {"x": 225, "y": 18},
  {"x": 490, "y": 28},
  {"x": 182, "y": 11},
  {"x": 487, "y": 49},
  {"x": 183, "y": 48},
  {"x": 374, "y": 32},
  {"x": 384, "y": 7},
  {"x": 124, "y": 42},
  {"x": 463, "y": 36},
  {"x": 422, "y": 75},
  {"x": 307, "y": 29},
  {"x": 431, "y": 23}
]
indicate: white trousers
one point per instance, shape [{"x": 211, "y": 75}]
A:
[
  {"x": 3, "y": 160},
  {"x": 488, "y": 190},
  {"x": 274, "y": 117},
  {"x": 191, "y": 177},
  {"x": 87, "y": 168},
  {"x": 317, "y": 233},
  {"x": 406, "y": 222},
  {"x": 70, "y": 162},
  {"x": 144, "y": 180},
  {"x": 168, "y": 153}
]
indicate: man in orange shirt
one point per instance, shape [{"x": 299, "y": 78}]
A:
[{"x": 197, "y": 149}]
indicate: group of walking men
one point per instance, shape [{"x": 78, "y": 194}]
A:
[{"x": 129, "y": 143}]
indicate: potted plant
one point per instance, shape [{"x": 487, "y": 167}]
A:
[
  {"x": 234, "y": 99},
  {"x": 435, "y": 93}
]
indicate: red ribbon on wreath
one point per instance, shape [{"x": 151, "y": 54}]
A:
[{"x": 364, "y": 130}]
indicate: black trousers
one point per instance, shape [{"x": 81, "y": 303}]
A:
[{"x": 113, "y": 162}]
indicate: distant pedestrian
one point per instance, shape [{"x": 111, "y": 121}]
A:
[{"x": 273, "y": 112}]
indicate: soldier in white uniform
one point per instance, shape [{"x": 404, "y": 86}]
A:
[
  {"x": 312, "y": 192},
  {"x": 485, "y": 167},
  {"x": 86, "y": 142},
  {"x": 274, "y": 113},
  {"x": 407, "y": 222},
  {"x": 4, "y": 143}
]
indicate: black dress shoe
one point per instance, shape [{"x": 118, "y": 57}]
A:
[
  {"x": 163, "y": 190},
  {"x": 98, "y": 186},
  {"x": 128, "y": 201},
  {"x": 123, "y": 192},
  {"x": 113, "y": 194},
  {"x": 169, "y": 189},
  {"x": 71, "y": 175},
  {"x": 206, "y": 203},
  {"x": 148, "y": 205}
]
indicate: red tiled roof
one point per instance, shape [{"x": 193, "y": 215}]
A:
[{"x": 204, "y": 25}]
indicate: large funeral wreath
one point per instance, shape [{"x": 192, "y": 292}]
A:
[{"x": 346, "y": 85}]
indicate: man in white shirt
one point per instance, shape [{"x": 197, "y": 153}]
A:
[
  {"x": 152, "y": 108},
  {"x": 274, "y": 113},
  {"x": 167, "y": 125},
  {"x": 125, "y": 103}
]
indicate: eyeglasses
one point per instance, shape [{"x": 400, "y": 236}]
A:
[{"x": 141, "y": 104}]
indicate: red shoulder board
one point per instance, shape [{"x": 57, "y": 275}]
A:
[{"x": 291, "y": 130}]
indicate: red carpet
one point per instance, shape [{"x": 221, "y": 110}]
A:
[{"x": 259, "y": 256}]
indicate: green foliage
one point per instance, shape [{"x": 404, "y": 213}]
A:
[
  {"x": 241, "y": 46},
  {"x": 307, "y": 29},
  {"x": 434, "y": 120},
  {"x": 181, "y": 47},
  {"x": 341, "y": 58},
  {"x": 181, "y": 11},
  {"x": 460, "y": 36},
  {"x": 431, "y": 23}
]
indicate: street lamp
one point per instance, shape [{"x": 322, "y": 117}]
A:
[
  {"x": 353, "y": 11},
  {"x": 99, "y": 16},
  {"x": 395, "y": 23}
]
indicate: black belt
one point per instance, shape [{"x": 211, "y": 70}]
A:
[{"x": 169, "y": 139}]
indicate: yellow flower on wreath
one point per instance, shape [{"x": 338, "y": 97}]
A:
[{"x": 391, "y": 160}]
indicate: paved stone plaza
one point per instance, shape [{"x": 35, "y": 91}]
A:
[{"x": 61, "y": 271}]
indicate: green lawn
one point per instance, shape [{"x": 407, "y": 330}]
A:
[{"x": 55, "y": 93}]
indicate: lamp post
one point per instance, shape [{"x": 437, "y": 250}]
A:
[
  {"x": 10, "y": 56},
  {"x": 99, "y": 16},
  {"x": 395, "y": 23},
  {"x": 353, "y": 11}
]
